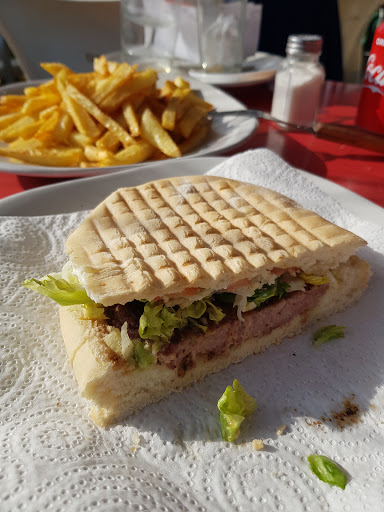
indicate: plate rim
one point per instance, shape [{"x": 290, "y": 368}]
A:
[
  {"x": 241, "y": 79},
  {"x": 355, "y": 203}
]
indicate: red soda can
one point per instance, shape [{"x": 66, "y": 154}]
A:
[{"x": 370, "y": 114}]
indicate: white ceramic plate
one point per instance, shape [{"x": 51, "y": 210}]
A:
[
  {"x": 226, "y": 133},
  {"x": 85, "y": 194},
  {"x": 258, "y": 69}
]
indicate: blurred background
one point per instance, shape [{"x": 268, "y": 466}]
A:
[{"x": 74, "y": 31}]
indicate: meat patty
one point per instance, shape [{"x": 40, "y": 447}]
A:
[
  {"x": 186, "y": 344},
  {"x": 232, "y": 331},
  {"x": 118, "y": 314}
]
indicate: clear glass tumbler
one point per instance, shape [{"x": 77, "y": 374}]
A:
[
  {"x": 220, "y": 32},
  {"x": 148, "y": 32}
]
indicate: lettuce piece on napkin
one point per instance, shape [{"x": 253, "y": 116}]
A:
[
  {"x": 328, "y": 333},
  {"x": 327, "y": 471},
  {"x": 234, "y": 405}
]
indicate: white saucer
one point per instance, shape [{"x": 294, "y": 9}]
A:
[{"x": 259, "y": 68}]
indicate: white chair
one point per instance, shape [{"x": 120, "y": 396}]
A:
[{"x": 71, "y": 32}]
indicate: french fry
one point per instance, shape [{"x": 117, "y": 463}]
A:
[
  {"x": 131, "y": 119},
  {"x": 81, "y": 118},
  {"x": 85, "y": 82},
  {"x": 40, "y": 90},
  {"x": 94, "y": 154},
  {"x": 141, "y": 80},
  {"x": 25, "y": 144},
  {"x": 108, "y": 141},
  {"x": 176, "y": 107},
  {"x": 47, "y": 131},
  {"x": 54, "y": 68},
  {"x": 199, "y": 102},
  {"x": 54, "y": 157},
  {"x": 63, "y": 128},
  {"x": 100, "y": 65},
  {"x": 167, "y": 90},
  {"x": 8, "y": 119},
  {"x": 198, "y": 135},
  {"x": 154, "y": 133},
  {"x": 181, "y": 83},
  {"x": 12, "y": 101},
  {"x": 24, "y": 127},
  {"x": 38, "y": 103},
  {"x": 98, "y": 114},
  {"x": 80, "y": 140},
  {"x": 107, "y": 86},
  {"x": 190, "y": 120},
  {"x": 131, "y": 155}
]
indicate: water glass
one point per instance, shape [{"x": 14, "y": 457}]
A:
[
  {"x": 142, "y": 24},
  {"x": 220, "y": 32}
]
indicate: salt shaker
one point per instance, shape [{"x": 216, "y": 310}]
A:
[{"x": 299, "y": 81}]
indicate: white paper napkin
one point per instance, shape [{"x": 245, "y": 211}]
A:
[{"x": 170, "y": 456}]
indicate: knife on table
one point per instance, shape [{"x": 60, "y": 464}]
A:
[{"x": 334, "y": 132}]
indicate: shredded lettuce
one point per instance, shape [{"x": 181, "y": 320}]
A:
[
  {"x": 327, "y": 471},
  {"x": 234, "y": 405},
  {"x": 194, "y": 310},
  {"x": 312, "y": 279},
  {"x": 278, "y": 289},
  {"x": 142, "y": 354},
  {"x": 93, "y": 311},
  {"x": 158, "y": 322},
  {"x": 328, "y": 333},
  {"x": 60, "y": 290},
  {"x": 215, "y": 313}
]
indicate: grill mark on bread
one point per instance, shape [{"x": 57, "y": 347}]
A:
[
  {"x": 262, "y": 242},
  {"x": 169, "y": 262},
  {"x": 131, "y": 244},
  {"x": 173, "y": 235},
  {"x": 208, "y": 207},
  {"x": 289, "y": 208},
  {"x": 220, "y": 240},
  {"x": 200, "y": 220},
  {"x": 265, "y": 219}
]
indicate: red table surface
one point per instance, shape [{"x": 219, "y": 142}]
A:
[{"x": 357, "y": 169}]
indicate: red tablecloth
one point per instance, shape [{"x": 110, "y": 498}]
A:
[{"x": 358, "y": 169}]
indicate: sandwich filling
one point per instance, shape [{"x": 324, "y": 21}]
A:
[{"x": 145, "y": 332}]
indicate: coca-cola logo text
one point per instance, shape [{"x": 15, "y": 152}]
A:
[
  {"x": 380, "y": 41},
  {"x": 374, "y": 75}
]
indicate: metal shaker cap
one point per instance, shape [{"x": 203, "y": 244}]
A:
[{"x": 307, "y": 43}]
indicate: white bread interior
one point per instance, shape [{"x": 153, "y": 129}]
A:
[
  {"x": 116, "y": 390},
  {"x": 200, "y": 232}
]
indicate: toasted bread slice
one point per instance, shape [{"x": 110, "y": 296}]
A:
[{"x": 193, "y": 235}]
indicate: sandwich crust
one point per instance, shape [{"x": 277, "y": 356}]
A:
[
  {"x": 179, "y": 236},
  {"x": 117, "y": 390}
]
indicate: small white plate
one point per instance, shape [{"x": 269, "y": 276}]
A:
[
  {"x": 85, "y": 194},
  {"x": 258, "y": 68},
  {"x": 226, "y": 133}
]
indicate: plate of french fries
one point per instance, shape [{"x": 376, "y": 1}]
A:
[{"x": 84, "y": 124}]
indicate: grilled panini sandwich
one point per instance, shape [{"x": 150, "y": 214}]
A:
[{"x": 178, "y": 278}]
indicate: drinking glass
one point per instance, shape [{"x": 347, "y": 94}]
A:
[
  {"x": 221, "y": 26},
  {"x": 148, "y": 31}
]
